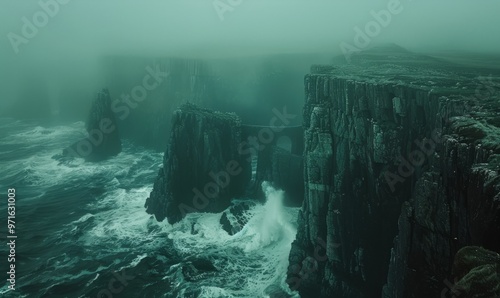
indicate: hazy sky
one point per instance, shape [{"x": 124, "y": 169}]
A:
[
  {"x": 80, "y": 31},
  {"x": 167, "y": 26}
]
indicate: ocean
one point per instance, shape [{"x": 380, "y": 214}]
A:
[{"x": 82, "y": 229}]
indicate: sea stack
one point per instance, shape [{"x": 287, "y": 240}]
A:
[{"x": 103, "y": 140}]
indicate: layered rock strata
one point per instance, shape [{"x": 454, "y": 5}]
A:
[{"x": 395, "y": 182}]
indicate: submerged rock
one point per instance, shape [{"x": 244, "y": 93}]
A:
[
  {"x": 103, "y": 140},
  {"x": 198, "y": 269},
  {"x": 236, "y": 217}
]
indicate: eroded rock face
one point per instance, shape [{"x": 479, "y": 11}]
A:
[
  {"x": 455, "y": 203},
  {"x": 202, "y": 169},
  {"x": 477, "y": 272},
  {"x": 103, "y": 139},
  {"x": 394, "y": 186}
]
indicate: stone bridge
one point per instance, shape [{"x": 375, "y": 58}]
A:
[
  {"x": 271, "y": 135},
  {"x": 279, "y": 159}
]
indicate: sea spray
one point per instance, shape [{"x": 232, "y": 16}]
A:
[
  {"x": 271, "y": 228},
  {"x": 98, "y": 209},
  {"x": 270, "y": 224}
]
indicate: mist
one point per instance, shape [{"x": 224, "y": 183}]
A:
[
  {"x": 67, "y": 51},
  {"x": 250, "y": 148}
]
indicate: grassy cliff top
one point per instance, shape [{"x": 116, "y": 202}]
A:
[
  {"x": 190, "y": 108},
  {"x": 397, "y": 66}
]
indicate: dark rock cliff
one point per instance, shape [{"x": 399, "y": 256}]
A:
[
  {"x": 395, "y": 184},
  {"x": 477, "y": 273},
  {"x": 103, "y": 140},
  {"x": 202, "y": 169}
]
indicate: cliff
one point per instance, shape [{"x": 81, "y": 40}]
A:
[
  {"x": 202, "y": 169},
  {"x": 395, "y": 182},
  {"x": 477, "y": 273},
  {"x": 103, "y": 140}
]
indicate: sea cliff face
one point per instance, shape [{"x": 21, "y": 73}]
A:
[
  {"x": 395, "y": 183},
  {"x": 400, "y": 171},
  {"x": 202, "y": 169}
]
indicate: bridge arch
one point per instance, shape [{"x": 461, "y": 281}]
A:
[{"x": 269, "y": 135}]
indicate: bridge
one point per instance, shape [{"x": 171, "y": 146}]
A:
[
  {"x": 272, "y": 135},
  {"x": 276, "y": 162}
]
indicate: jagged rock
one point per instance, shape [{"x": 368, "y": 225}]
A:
[
  {"x": 477, "y": 272},
  {"x": 103, "y": 140},
  {"x": 202, "y": 169},
  {"x": 477, "y": 131},
  {"x": 393, "y": 185},
  {"x": 236, "y": 217},
  {"x": 198, "y": 269},
  {"x": 227, "y": 226}
]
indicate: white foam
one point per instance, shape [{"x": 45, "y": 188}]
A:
[
  {"x": 257, "y": 255},
  {"x": 210, "y": 292},
  {"x": 122, "y": 217},
  {"x": 41, "y": 169},
  {"x": 248, "y": 262}
]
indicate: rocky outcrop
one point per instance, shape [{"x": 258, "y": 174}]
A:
[
  {"x": 234, "y": 219},
  {"x": 202, "y": 169},
  {"x": 455, "y": 203},
  {"x": 477, "y": 273},
  {"x": 395, "y": 184},
  {"x": 103, "y": 140},
  {"x": 197, "y": 269}
]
